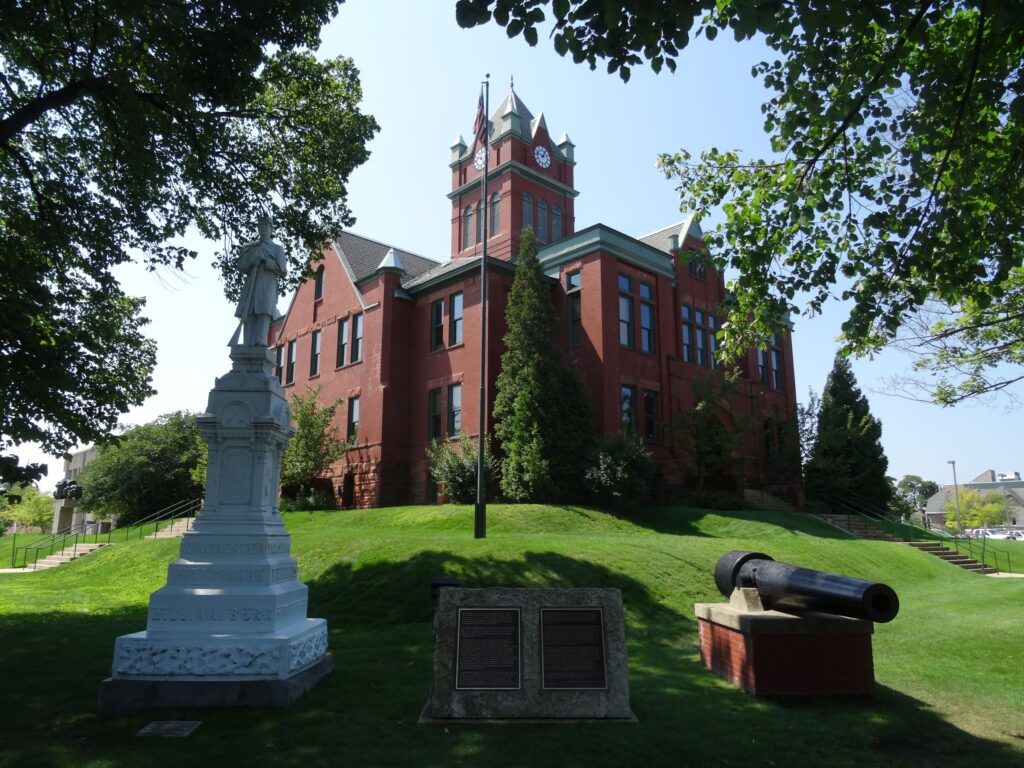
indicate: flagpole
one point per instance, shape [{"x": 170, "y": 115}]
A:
[{"x": 480, "y": 511}]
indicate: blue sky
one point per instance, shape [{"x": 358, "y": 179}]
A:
[{"x": 421, "y": 75}]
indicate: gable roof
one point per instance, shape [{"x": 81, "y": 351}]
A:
[
  {"x": 364, "y": 257},
  {"x": 662, "y": 238}
]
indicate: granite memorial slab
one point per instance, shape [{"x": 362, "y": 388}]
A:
[{"x": 529, "y": 654}]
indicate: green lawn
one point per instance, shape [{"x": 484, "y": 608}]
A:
[{"x": 950, "y": 668}]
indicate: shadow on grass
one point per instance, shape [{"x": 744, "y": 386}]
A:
[
  {"x": 365, "y": 713},
  {"x": 685, "y": 521}
]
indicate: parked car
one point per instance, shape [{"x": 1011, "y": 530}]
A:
[{"x": 994, "y": 534}]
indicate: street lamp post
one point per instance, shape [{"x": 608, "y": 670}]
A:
[{"x": 956, "y": 492}]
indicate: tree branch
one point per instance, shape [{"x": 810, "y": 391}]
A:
[{"x": 866, "y": 92}]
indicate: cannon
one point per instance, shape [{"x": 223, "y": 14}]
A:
[{"x": 792, "y": 589}]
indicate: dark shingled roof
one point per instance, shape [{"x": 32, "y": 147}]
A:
[{"x": 364, "y": 256}]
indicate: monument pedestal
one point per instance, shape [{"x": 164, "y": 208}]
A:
[
  {"x": 230, "y": 627},
  {"x": 770, "y": 653}
]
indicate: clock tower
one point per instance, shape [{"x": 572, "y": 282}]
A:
[{"x": 529, "y": 184}]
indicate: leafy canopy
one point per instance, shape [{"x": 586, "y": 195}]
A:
[
  {"x": 898, "y": 174},
  {"x": 977, "y": 509},
  {"x": 315, "y": 444},
  {"x": 146, "y": 469},
  {"x": 122, "y": 126},
  {"x": 25, "y": 505}
]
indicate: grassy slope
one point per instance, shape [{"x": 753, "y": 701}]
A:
[{"x": 950, "y": 668}]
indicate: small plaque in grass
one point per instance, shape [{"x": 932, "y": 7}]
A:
[{"x": 171, "y": 729}]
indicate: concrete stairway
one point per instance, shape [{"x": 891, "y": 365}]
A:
[
  {"x": 765, "y": 500},
  {"x": 66, "y": 556},
  {"x": 171, "y": 530},
  {"x": 951, "y": 556},
  {"x": 858, "y": 526}
]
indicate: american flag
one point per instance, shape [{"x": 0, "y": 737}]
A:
[{"x": 480, "y": 123}]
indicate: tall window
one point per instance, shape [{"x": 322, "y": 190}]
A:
[
  {"x": 650, "y": 414},
  {"x": 542, "y": 221},
  {"x": 289, "y": 373},
  {"x": 647, "y": 318},
  {"x": 436, "y": 324},
  {"x": 454, "y": 409},
  {"x": 342, "y": 342},
  {"x": 702, "y": 353},
  {"x": 626, "y": 311},
  {"x": 776, "y": 355},
  {"x": 352, "y": 430},
  {"x": 527, "y": 209},
  {"x": 495, "y": 213},
  {"x": 713, "y": 342},
  {"x": 628, "y": 409},
  {"x": 480, "y": 221},
  {"x": 762, "y": 367},
  {"x": 357, "y": 339},
  {"x": 279, "y": 363},
  {"x": 686, "y": 314},
  {"x": 318, "y": 283},
  {"x": 556, "y": 223},
  {"x": 434, "y": 414},
  {"x": 467, "y": 227},
  {"x": 574, "y": 307},
  {"x": 697, "y": 267},
  {"x": 455, "y": 319},
  {"x": 314, "y": 354}
]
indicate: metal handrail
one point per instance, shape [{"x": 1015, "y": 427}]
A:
[
  {"x": 185, "y": 508},
  {"x": 74, "y": 532},
  {"x": 912, "y": 532}
]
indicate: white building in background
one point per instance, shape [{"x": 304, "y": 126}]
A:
[
  {"x": 65, "y": 514},
  {"x": 1008, "y": 484}
]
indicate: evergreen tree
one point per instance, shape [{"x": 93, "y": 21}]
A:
[
  {"x": 847, "y": 458},
  {"x": 540, "y": 412}
]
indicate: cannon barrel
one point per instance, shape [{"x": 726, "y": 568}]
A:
[{"x": 790, "y": 588}]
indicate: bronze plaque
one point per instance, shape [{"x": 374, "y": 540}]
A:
[
  {"x": 572, "y": 649},
  {"x": 488, "y": 654}
]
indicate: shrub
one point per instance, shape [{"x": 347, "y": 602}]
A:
[
  {"x": 621, "y": 469},
  {"x": 308, "y": 501},
  {"x": 453, "y": 465}
]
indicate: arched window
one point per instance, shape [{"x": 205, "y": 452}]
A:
[
  {"x": 318, "y": 283},
  {"x": 480, "y": 221},
  {"x": 467, "y": 227},
  {"x": 495, "y": 214},
  {"x": 556, "y": 223},
  {"x": 542, "y": 221},
  {"x": 527, "y": 210}
]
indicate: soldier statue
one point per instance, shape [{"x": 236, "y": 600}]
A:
[{"x": 262, "y": 263}]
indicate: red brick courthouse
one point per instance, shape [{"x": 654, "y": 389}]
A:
[{"x": 398, "y": 335}]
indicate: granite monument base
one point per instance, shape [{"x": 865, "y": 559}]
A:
[
  {"x": 119, "y": 697},
  {"x": 529, "y": 655}
]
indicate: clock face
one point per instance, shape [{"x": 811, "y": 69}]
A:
[
  {"x": 480, "y": 159},
  {"x": 542, "y": 156}
]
